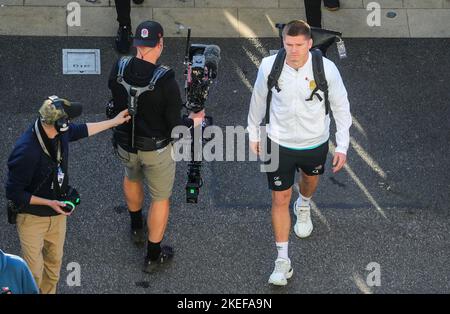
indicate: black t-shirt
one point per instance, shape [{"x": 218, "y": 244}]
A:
[{"x": 159, "y": 111}]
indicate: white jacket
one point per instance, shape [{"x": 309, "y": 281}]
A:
[{"x": 294, "y": 122}]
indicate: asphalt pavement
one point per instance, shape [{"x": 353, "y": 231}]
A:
[{"x": 389, "y": 206}]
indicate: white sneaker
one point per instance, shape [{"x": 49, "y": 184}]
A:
[
  {"x": 282, "y": 272},
  {"x": 303, "y": 227}
]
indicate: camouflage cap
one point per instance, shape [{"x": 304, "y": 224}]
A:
[{"x": 55, "y": 108}]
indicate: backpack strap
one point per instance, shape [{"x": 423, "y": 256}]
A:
[
  {"x": 272, "y": 80},
  {"x": 319, "y": 78}
]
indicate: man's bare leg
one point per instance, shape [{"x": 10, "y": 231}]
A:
[
  {"x": 308, "y": 185},
  {"x": 134, "y": 194},
  {"x": 281, "y": 220},
  {"x": 158, "y": 216}
]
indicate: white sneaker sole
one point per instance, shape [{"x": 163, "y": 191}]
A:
[
  {"x": 305, "y": 235},
  {"x": 282, "y": 282}
]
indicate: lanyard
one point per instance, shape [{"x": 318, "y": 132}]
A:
[{"x": 44, "y": 147}]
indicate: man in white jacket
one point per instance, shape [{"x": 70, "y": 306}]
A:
[{"x": 301, "y": 129}]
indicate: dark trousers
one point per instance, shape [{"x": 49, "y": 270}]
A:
[
  {"x": 313, "y": 12},
  {"x": 123, "y": 8}
]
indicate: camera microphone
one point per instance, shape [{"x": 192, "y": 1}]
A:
[{"x": 212, "y": 58}]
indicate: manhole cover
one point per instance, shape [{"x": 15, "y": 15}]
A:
[{"x": 81, "y": 61}]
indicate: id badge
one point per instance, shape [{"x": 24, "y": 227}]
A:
[
  {"x": 341, "y": 49},
  {"x": 60, "y": 176}
]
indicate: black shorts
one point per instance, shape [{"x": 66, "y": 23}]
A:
[{"x": 310, "y": 161}]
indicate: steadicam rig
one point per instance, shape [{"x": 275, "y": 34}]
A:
[{"x": 201, "y": 67}]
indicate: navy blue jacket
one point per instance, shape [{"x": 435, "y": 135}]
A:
[{"x": 29, "y": 168}]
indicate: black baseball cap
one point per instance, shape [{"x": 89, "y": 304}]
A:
[{"x": 148, "y": 34}]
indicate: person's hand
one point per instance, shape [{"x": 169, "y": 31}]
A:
[
  {"x": 338, "y": 161},
  {"x": 197, "y": 117},
  {"x": 255, "y": 147},
  {"x": 56, "y": 205},
  {"x": 121, "y": 117}
]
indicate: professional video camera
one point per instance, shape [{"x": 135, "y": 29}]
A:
[
  {"x": 201, "y": 66},
  {"x": 202, "y": 63}
]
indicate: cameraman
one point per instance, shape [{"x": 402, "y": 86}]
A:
[
  {"x": 38, "y": 181},
  {"x": 159, "y": 111}
]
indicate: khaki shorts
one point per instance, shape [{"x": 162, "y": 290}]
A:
[{"x": 156, "y": 167}]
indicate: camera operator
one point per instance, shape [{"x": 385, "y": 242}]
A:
[
  {"x": 144, "y": 145},
  {"x": 38, "y": 183}
]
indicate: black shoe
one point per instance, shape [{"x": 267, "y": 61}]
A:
[
  {"x": 164, "y": 257},
  {"x": 124, "y": 39},
  {"x": 332, "y": 5},
  {"x": 138, "y": 1},
  {"x": 138, "y": 237}
]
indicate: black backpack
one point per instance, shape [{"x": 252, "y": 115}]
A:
[{"x": 322, "y": 40}]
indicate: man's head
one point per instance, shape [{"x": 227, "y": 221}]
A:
[
  {"x": 56, "y": 112},
  {"x": 297, "y": 41},
  {"x": 148, "y": 39}
]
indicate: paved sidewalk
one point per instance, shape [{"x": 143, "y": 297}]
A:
[{"x": 225, "y": 18}]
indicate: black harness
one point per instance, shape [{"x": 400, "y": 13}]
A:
[{"x": 138, "y": 142}]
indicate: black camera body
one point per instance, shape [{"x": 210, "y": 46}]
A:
[{"x": 71, "y": 199}]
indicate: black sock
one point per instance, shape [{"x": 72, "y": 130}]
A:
[
  {"x": 136, "y": 219},
  {"x": 153, "y": 250}
]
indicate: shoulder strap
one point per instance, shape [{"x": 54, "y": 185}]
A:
[
  {"x": 319, "y": 77},
  {"x": 123, "y": 62},
  {"x": 272, "y": 80},
  {"x": 158, "y": 73}
]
